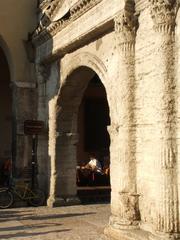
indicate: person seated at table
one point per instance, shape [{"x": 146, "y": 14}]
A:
[{"x": 94, "y": 164}]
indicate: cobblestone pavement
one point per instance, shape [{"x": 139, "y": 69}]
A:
[{"x": 83, "y": 222}]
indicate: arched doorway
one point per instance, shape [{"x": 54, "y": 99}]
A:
[
  {"x": 5, "y": 110},
  {"x": 67, "y": 149},
  {"x": 93, "y": 176}
]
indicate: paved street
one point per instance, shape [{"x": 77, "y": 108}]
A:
[{"x": 83, "y": 222}]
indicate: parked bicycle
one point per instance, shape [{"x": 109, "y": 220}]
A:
[{"x": 34, "y": 197}]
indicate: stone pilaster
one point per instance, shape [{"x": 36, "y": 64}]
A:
[
  {"x": 24, "y": 107},
  {"x": 124, "y": 196},
  {"x": 167, "y": 222},
  {"x": 63, "y": 189},
  {"x": 42, "y": 74}
]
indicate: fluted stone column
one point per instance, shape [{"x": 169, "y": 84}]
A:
[
  {"x": 124, "y": 197},
  {"x": 167, "y": 219}
]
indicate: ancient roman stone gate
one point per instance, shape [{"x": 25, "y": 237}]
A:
[{"x": 134, "y": 48}]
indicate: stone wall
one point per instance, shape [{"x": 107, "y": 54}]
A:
[
  {"x": 177, "y": 72},
  {"x": 17, "y": 21},
  {"x": 48, "y": 85},
  {"x": 147, "y": 145},
  {"x": 156, "y": 121},
  {"x": 137, "y": 60}
]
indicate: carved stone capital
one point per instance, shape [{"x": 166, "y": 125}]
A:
[
  {"x": 125, "y": 28},
  {"x": 57, "y": 14},
  {"x": 163, "y": 13},
  {"x": 42, "y": 72}
]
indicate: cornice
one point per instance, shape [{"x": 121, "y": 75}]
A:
[
  {"x": 48, "y": 6},
  {"x": 43, "y": 33},
  {"x": 53, "y": 8}
]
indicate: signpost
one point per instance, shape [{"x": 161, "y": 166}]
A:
[{"x": 33, "y": 128}]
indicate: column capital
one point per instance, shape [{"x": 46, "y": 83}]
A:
[
  {"x": 163, "y": 13},
  {"x": 42, "y": 72},
  {"x": 125, "y": 28}
]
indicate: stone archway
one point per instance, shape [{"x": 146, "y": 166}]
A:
[
  {"x": 5, "y": 109},
  {"x": 8, "y": 57},
  {"x": 63, "y": 135}
]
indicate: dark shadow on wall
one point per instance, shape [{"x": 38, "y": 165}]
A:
[
  {"x": 6, "y": 118},
  {"x": 48, "y": 84},
  {"x": 35, "y": 40}
]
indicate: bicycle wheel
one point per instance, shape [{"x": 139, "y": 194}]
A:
[
  {"x": 37, "y": 198},
  {"x": 6, "y": 199}
]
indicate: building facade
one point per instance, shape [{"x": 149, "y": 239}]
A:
[
  {"x": 18, "y": 85},
  {"x": 120, "y": 55},
  {"x": 133, "y": 48}
]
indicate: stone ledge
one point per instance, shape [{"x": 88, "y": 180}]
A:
[
  {"x": 138, "y": 234},
  {"x": 57, "y": 202},
  {"x": 164, "y": 236},
  {"x": 118, "y": 234}
]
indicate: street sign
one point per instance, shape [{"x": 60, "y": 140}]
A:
[{"x": 33, "y": 127}]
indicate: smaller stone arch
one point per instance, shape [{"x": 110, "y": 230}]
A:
[
  {"x": 8, "y": 55},
  {"x": 88, "y": 60},
  {"x": 6, "y": 105},
  {"x": 63, "y": 161},
  {"x": 84, "y": 59}
]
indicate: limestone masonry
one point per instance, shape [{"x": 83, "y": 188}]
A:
[
  {"x": 133, "y": 46},
  {"x": 131, "y": 50}
]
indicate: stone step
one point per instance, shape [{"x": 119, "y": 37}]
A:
[{"x": 94, "y": 194}]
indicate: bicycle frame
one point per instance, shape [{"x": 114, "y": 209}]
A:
[{"x": 27, "y": 193}]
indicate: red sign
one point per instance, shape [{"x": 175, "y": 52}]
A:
[{"x": 33, "y": 127}]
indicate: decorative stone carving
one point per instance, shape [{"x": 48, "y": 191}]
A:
[
  {"x": 163, "y": 13},
  {"x": 125, "y": 28},
  {"x": 82, "y": 6},
  {"x": 48, "y": 27},
  {"x": 43, "y": 72},
  {"x": 49, "y": 6}
]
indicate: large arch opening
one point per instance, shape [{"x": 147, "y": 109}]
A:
[
  {"x": 93, "y": 158},
  {"x": 81, "y": 92},
  {"x": 5, "y": 111}
]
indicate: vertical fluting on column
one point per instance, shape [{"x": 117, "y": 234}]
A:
[
  {"x": 163, "y": 15},
  {"x": 128, "y": 212}
]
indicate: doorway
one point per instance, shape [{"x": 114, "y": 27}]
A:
[
  {"x": 71, "y": 149},
  {"x": 93, "y": 182},
  {"x": 5, "y": 110}
]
